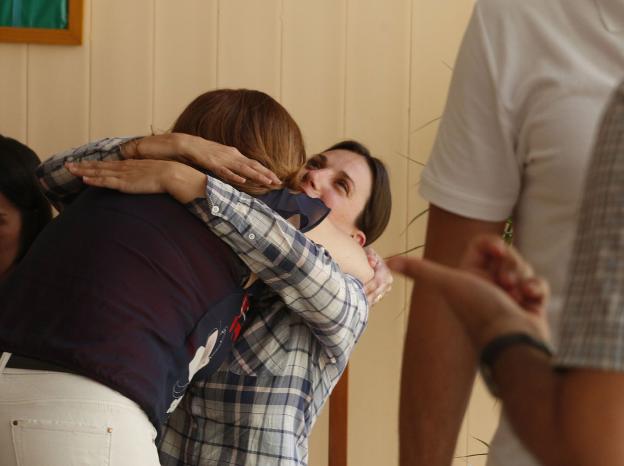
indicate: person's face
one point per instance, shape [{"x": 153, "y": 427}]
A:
[
  {"x": 343, "y": 181},
  {"x": 10, "y": 227}
]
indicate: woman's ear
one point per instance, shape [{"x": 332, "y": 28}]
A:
[{"x": 360, "y": 237}]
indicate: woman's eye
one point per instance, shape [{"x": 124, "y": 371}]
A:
[{"x": 344, "y": 186}]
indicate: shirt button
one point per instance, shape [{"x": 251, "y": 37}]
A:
[
  {"x": 251, "y": 236},
  {"x": 214, "y": 210}
]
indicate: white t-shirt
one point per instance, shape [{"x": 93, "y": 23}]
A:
[{"x": 530, "y": 84}]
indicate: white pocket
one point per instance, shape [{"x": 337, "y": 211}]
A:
[{"x": 54, "y": 443}]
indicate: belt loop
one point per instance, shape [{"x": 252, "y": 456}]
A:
[{"x": 4, "y": 359}]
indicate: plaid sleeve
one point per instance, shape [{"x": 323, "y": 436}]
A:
[
  {"x": 593, "y": 320},
  {"x": 58, "y": 184},
  {"x": 311, "y": 284}
]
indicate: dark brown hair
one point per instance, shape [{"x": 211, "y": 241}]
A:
[
  {"x": 252, "y": 122},
  {"x": 19, "y": 185},
  {"x": 376, "y": 214}
]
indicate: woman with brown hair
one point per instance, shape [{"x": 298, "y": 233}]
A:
[{"x": 137, "y": 320}]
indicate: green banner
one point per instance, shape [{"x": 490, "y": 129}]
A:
[{"x": 43, "y": 14}]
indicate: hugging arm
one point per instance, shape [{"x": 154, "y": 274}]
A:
[
  {"x": 301, "y": 272},
  {"x": 311, "y": 284},
  {"x": 62, "y": 178},
  {"x": 61, "y": 186}
]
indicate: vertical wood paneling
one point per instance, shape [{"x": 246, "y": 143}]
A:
[
  {"x": 58, "y": 102},
  {"x": 437, "y": 29},
  {"x": 377, "y": 95},
  {"x": 249, "y": 53},
  {"x": 313, "y": 67},
  {"x": 185, "y": 56},
  {"x": 438, "y": 26},
  {"x": 376, "y": 112},
  {"x": 121, "y": 67},
  {"x": 13, "y": 90}
]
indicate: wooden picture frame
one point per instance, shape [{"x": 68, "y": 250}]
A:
[{"x": 72, "y": 35}]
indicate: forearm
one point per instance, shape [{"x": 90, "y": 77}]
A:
[
  {"x": 438, "y": 372},
  {"x": 529, "y": 390},
  {"x": 59, "y": 185},
  {"x": 565, "y": 418}
]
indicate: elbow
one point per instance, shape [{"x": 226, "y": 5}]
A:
[
  {"x": 367, "y": 275},
  {"x": 340, "y": 347}
]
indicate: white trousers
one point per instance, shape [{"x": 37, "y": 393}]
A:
[{"x": 60, "y": 419}]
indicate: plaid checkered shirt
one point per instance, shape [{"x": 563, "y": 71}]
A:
[
  {"x": 592, "y": 334},
  {"x": 260, "y": 406}
]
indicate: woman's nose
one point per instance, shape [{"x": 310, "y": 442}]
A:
[{"x": 318, "y": 179}]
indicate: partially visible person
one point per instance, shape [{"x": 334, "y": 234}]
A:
[
  {"x": 261, "y": 404},
  {"x": 514, "y": 141},
  {"x": 24, "y": 210},
  {"x": 568, "y": 410}
]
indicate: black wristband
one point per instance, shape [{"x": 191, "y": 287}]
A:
[{"x": 492, "y": 351}]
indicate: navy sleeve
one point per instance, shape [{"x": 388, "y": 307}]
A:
[{"x": 288, "y": 204}]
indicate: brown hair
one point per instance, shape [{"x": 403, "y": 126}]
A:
[
  {"x": 376, "y": 214},
  {"x": 252, "y": 122},
  {"x": 19, "y": 185}
]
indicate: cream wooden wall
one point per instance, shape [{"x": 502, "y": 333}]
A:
[{"x": 372, "y": 70}]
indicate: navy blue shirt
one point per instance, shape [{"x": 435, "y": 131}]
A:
[
  {"x": 125, "y": 290},
  {"x": 131, "y": 291}
]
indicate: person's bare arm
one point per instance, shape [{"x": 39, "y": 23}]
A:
[
  {"x": 438, "y": 359},
  {"x": 574, "y": 418},
  {"x": 591, "y": 414}
]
